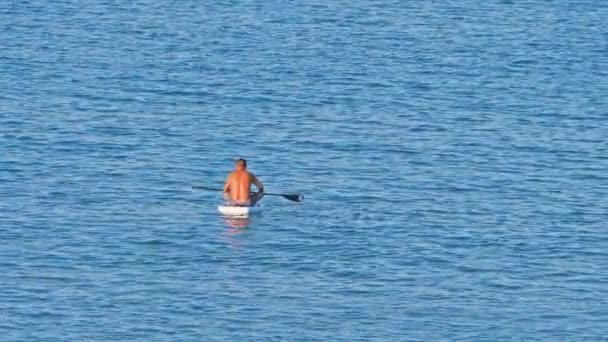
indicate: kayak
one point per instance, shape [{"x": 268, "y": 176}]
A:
[{"x": 237, "y": 211}]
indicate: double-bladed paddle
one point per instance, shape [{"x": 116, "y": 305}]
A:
[{"x": 291, "y": 197}]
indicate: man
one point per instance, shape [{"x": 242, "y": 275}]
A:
[{"x": 237, "y": 190}]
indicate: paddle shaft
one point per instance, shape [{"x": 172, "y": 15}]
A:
[{"x": 291, "y": 197}]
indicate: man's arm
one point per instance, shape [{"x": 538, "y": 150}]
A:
[
  {"x": 227, "y": 185},
  {"x": 257, "y": 183}
]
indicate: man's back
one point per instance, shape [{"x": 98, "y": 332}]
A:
[
  {"x": 239, "y": 184},
  {"x": 237, "y": 190}
]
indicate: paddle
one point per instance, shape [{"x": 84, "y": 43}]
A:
[{"x": 291, "y": 197}]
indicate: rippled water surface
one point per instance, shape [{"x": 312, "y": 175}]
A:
[{"x": 453, "y": 156}]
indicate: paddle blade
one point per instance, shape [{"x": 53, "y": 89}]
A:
[{"x": 294, "y": 198}]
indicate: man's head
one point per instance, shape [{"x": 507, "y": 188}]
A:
[{"x": 241, "y": 164}]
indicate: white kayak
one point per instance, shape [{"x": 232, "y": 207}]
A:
[{"x": 238, "y": 211}]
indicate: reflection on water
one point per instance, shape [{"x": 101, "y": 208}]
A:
[
  {"x": 236, "y": 226},
  {"x": 238, "y": 223}
]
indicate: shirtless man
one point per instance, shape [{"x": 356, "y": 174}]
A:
[{"x": 237, "y": 190}]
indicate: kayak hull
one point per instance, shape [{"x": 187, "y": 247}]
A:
[{"x": 234, "y": 211}]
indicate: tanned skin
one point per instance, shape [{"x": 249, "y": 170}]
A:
[{"x": 237, "y": 190}]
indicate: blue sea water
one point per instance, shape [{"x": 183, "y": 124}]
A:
[{"x": 453, "y": 156}]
